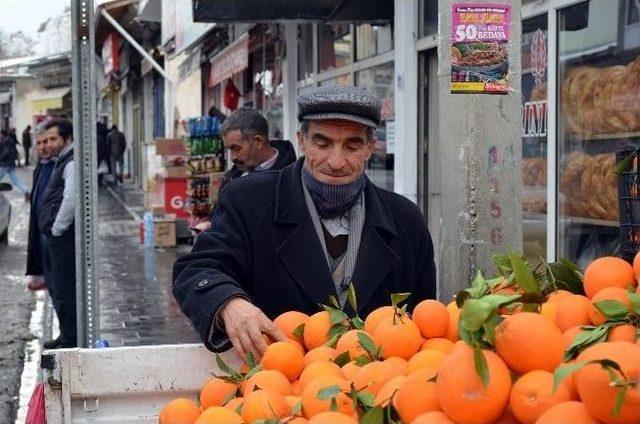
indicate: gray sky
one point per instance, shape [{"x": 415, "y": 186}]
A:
[{"x": 27, "y": 15}]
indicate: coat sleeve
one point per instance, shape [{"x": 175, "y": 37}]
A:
[
  {"x": 425, "y": 286},
  {"x": 208, "y": 277}
]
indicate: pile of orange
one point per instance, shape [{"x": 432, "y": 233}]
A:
[{"x": 423, "y": 373}]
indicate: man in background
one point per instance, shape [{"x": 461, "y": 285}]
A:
[
  {"x": 26, "y": 144},
  {"x": 37, "y": 242},
  {"x": 117, "y": 146},
  {"x": 56, "y": 221},
  {"x": 8, "y": 159}
]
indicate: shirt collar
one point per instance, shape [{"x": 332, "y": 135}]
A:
[{"x": 268, "y": 164}]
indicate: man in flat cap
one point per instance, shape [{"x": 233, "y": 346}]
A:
[{"x": 288, "y": 240}]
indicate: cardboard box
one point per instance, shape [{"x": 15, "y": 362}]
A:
[
  {"x": 164, "y": 232},
  {"x": 169, "y": 147},
  {"x": 176, "y": 171}
]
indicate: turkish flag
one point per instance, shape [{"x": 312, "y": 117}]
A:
[{"x": 231, "y": 96}]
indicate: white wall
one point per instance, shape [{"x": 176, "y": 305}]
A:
[{"x": 22, "y": 107}]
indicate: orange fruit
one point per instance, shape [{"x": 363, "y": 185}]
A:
[
  {"x": 296, "y": 420},
  {"x": 440, "y": 343},
  {"x": 312, "y": 406},
  {"x": 594, "y": 383},
  {"x": 422, "y": 375},
  {"x": 433, "y": 417},
  {"x": 623, "y": 333},
  {"x": 289, "y": 321},
  {"x": 267, "y": 380},
  {"x": 558, "y": 295},
  {"x": 332, "y": 418},
  {"x": 527, "y": 341},
  {"x": 399, "y": 337},
  {"x": 607, "y": 272},
  {"x": 432, "y": 318},
  {"x": 572, "y": 311},
  {"x": 388, "y": 390},
  {"x": 430, "y": 359},
  {"x": 215, "y": 392},
  {"x": 349, "y": 342},
  {"x": 318, "y": 369},
  {"x": 235, "y": 405},
  {"x": 376, "y": 317},
  {"x": 608, "y": 293},
  {"x": 350, "y": 370},
  {"x": 507, "y": 417},
  {"x": 532, "y": 395},
  {"x": 374, "y": 375},
  {"x": 415, "y": 399},
  {"x": 293, "y": 402},
  {"x": 322, "y": 353},
  {"x": 454, "y": 317},
  {"x": 636, "y": 266},
  {"x": 296, "y": 390},
  {"x": 316, "y": 330},
  {"x": 567, "y": 412},
  {"x": 569, "y": 336},
  {"x": 219, "y": 415},
  {"x": 179, "y": 411},
  {"x": 548, "y": 310},
  {"x": 400, "y": 364},
  {"x": 461, "y": 392},
  {"x": 264, "y": 405},
  {"x": 285, "y": 358}
]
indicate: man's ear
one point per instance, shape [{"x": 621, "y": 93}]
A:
[
  {"x": 300, "y": 138},
  {"x": 371, "y": 145}
]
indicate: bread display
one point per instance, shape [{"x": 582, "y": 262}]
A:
[
  {"x": 589, "y": 186},
  {"x": 601, "y": 101}
]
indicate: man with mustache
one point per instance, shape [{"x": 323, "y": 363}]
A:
[
  {"x": 289, "y": 240},
  {"x": 245, "y": 134}
]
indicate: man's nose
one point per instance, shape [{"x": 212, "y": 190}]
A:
[{"x": 336, "y": 158}]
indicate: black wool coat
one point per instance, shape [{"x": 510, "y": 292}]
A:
[
  {"x": 263, "y": 246},
  {"x": 34, "y": 257}
]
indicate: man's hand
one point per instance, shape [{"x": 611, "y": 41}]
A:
[
  {"x": 245, "y": 325},
  {"x": 202, "y": 226}
]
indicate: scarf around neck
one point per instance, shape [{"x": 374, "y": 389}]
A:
[{"x": 332, "y": 200}]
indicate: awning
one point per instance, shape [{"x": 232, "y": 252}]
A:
[
  {"x": 50, "y": 99},
  {"x": 5, "y": 97},
  {"x": 287, "y": 10},
  {"x": 232, "y": 59}
]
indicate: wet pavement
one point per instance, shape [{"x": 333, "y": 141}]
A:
[
  {"x": 137, "y": 307},
  {"x": 16, "y": 303}
]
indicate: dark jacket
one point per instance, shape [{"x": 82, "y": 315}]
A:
[
  {"x": 26, "y": 139},
  {"x": 53, "y": 196},
  {"x": 286, "y": 156},
  {"x": 8, "y": 152},
  {"x": 117, "y": 144},
  {"x": 41, "y": 176},
  {"x": 264, "y": 247}
]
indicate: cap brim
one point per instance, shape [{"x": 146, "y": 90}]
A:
[{"x": 344, "y": 116}]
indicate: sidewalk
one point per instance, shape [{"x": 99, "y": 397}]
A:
[{"x": 136, "y": 303}]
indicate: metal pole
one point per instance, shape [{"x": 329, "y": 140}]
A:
[
  {"x": 85, "y": 158},
  {"x": 134, "y": 43},
  {"x": 481, "y": 156}
]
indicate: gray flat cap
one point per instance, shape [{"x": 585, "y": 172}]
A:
[{"x": 340, "y": 102}]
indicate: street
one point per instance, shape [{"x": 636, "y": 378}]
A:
[{"x": 136, "y": 304}]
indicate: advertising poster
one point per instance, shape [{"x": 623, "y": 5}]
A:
[{"x": 479, "y": 54}]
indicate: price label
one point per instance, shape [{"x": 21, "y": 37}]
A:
[{"x": 466, "y": 32}]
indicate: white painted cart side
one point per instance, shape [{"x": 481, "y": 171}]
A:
[{"x": 124, "y": 385}]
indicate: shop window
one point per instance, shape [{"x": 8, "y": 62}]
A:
[
  {"x": 598, "y": 115},
  {"x": 379, "y": 81},
  {"x": 334, "y": 46},
  {"x": 534, "y": 137},
  {"x": 372, "y": 40},
  {"x": 341, "y": 80},
  {"x": 429, "y": 17},
  {"x": 305, "y": 51}
]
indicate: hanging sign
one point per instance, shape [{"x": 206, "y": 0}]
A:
[{"x": 479, "y": 48}]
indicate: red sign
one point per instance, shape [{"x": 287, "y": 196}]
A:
[
  {"x": 175, "y": 195},
  {"x": 111, "y": 54}
]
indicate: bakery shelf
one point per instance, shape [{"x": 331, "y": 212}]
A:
[
  {"x": 589, "y": 221},
  {"x": 598, "y": 137}
]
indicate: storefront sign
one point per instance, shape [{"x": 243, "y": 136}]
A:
[
  {"x": 534, "y": 119},
  {"x": 479, "y": 53},
  {"x": 233, "y": 59},
  {"x": 111, "y": 54}
]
